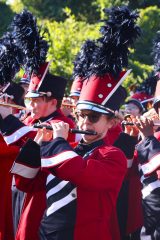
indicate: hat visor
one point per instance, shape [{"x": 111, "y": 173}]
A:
[
  {"x": 24, "y": 81},
  {"x": 136, "y": 102},
  {"x": 77, "y": 94},
  {"x": 156, "y": 101},
  {"x": 32, "y": 94},
  {"x": 94, "y": 107}
]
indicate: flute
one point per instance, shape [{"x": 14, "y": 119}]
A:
[
  {"x": 12, "y": 105},
  {"x": 126, "y": 123},
  {"x": 71, "y": 130}
]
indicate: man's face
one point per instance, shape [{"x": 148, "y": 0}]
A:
[
  {"x": 38, "y": 107},
  {"x": 93, "y": 121}
]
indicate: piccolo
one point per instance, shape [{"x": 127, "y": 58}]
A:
[
  {"x": 126, "y": 123},
  {"x": 71, "y": 130}
]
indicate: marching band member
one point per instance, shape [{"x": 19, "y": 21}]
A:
[
  {"x": 43, "y": 100},
  {"x": 148, "y": 155},
  {"x": 148, "y": 152},
  {"x": 93, "y": 167}
]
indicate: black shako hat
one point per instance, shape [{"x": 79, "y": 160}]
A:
[
  {"x": 46, "y": 84},
  {"x": 14, "y": 91}
]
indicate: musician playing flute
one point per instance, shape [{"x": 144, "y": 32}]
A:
[
  {"x": 149, "y": 162},
  {"x": 43, "y": 109}
]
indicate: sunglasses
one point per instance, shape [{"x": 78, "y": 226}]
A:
[
  {"x": 28, "y": 100},
  {"x": 92, "y": 117}
]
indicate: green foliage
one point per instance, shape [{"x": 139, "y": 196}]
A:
[
  {"x": 5, "y": 17},
  {"x": 68, "y": 23},
  {"x": 141, "y": 61},
  {"x": 53, "y": 9},
  {"x": 143, "y": 3},
  {"x": 17, "y": 6},
  {"x": 150, "y": 24},
  {"x": 65, "y": 39},
  {"x": 139, "y": 72},
  {"x": 101, "y": 4}
]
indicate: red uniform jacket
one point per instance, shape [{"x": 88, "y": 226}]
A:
[{"x": 98, "y": 178}]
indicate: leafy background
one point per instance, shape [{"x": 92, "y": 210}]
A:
[{"x": 68, "y": 23}]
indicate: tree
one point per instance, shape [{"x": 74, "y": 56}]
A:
[
  {"x": 143, "y": 3},
  {"x": 5, "y": 17},
  {"x": 150, "y": 24},
  {"x": 65, "y": 39},
  {"x": 67, "y": 28},
  {"x": 53, "y": 9},
  {"x": 101, "y": 4}
]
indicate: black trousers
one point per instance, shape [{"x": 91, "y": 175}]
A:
[
  {"x": 17, "y": 203},
  {"x": 151, "y": 212},
  {"x": 122, "y": 210}
]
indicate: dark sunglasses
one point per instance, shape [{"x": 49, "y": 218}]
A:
[{"x": 92, "y": 117}]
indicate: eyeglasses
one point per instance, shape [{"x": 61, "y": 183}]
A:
[{"x": 92, "y": 117}]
